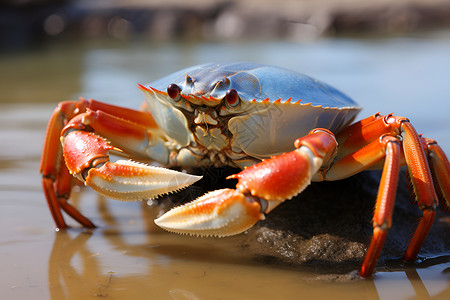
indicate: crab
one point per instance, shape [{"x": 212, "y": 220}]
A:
[{"x": 282, "y": 128}]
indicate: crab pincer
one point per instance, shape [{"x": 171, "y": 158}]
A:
[
  {"x": 260, "y": 188},
  {"x": 87, "y": 158}
]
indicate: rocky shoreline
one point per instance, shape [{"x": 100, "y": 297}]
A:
[{"x": 23, "y": 22}]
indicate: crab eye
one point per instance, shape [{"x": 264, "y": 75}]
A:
[
  {"x": 232, "y": 98},
  {"x": 174, "y": 91}
]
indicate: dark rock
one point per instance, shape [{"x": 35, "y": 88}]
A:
[{"x": 328, "y": 228}]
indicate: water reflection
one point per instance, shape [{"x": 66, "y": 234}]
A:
[
  {"x": 130, "y": 257},
  {"x": 429, "y": 279},
  {"x": 76, "y": 271},
  {"x": 112, "y": 261},
  {"x": 62, "y": 274}
]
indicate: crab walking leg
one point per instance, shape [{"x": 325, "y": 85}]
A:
[
  {"x": 384, "y": 207},
  {"x": 441, "y": 168},
  {"x": 55, "y": 175},
  {"x": 260, "y": 188},
  {"x": 53, "y": 203},
  {"x": 415, "y": 158},
  {"x": 385, "y": 148},
  {"x": 423, "y": 187},
  {"x": 366, "y": 131},
  {"x": 63, "y": 186}
]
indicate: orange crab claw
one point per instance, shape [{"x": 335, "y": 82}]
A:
[
  {"x": 260, "y": 189},
  {"x": 129, "y": 181},
  {"x": 87, "y": 158},
  {"x": 83, "y": 150},
  {"x": 219, "y": 213},
  {"x": 285, "y": 176},
  {"x": 262, "y": 180}
]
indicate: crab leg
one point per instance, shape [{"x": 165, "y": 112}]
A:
[
  {"x": 260, "y": 189},
  {"x": 366, "y": 131},
  {"x": 55, "y": 176},
  {"x": 86, "y": 156},
  {"x": 386, "y": 148},
  {"x": 441, "y": 168},
  {"x": 418, "y": 166},
  {"x": 423, "y": 187},
  {"x": 367, "y": 143},
  {"x": 382, "y": 219}
]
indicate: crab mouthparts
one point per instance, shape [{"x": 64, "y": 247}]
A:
[{"x": 205, "y": 118}]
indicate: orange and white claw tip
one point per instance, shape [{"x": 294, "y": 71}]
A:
[
  {"x": 219, "y": 213},
  {"x": 128, "y": 180}
]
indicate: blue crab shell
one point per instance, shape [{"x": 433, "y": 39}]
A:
[
  {"x": 255, "y": 81},
  {"x": 277, "y": 106}
]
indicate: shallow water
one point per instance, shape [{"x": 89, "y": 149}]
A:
[{"x": 127, "y": 256}]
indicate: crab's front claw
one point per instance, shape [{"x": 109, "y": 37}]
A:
[
  {"x": 87, "y": 158},
  {"x": 129, "y": 180},
  {"x": 285, "y": 176},
  {"x": 219, "y": 213},
  {"x": 260, "y": 188}
]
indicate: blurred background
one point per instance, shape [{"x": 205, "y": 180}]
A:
[
  {"x": 25, "y": 22},
  {"x": 378, "y": 52},
  {"x": 389, "y": 56}
]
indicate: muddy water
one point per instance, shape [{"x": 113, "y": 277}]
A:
[{"x": 127, "y": 256}]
